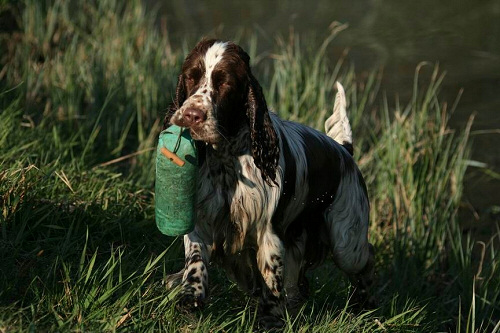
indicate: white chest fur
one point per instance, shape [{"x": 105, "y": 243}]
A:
[{"x": 232, "y": 191}]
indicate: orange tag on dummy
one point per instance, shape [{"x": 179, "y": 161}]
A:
[{"x": 172, "y": 156}]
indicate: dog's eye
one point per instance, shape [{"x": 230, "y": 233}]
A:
[
  {"x": 190, "y": 79},
  {"x": 221, "y": 80},
  {"x": 193, "y": 76},
  {"x": 223, "y": 84}
]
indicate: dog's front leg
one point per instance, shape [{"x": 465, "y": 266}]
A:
[
  {"x": 270, "y": 261},
  {"x": 195, "y": 277}
]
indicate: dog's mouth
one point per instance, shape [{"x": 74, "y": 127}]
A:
[
  {"x": 207, "y": 136},
  {"x": 203, "y": 129}
]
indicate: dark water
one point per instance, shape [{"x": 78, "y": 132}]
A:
[{"x": 462, "y": 36}]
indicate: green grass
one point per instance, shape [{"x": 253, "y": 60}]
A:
[{"x": 82, "y": 85}]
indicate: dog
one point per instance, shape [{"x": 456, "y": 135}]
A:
[{"x": 274, "y": 196}]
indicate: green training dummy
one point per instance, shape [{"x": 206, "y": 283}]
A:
[{"x": 176, "y": 176}]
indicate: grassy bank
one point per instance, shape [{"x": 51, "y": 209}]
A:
[{"x": 83, "y": 88}]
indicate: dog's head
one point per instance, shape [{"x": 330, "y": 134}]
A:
[{"x": 217, "y": 96}]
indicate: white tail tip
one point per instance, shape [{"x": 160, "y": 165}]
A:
[{"x": 337, "y": 126}]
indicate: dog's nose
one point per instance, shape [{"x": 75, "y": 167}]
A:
[{"x": 193, "y": 116}]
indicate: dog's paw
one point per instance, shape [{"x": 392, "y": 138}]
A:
[
  {"x": 270, "y": 323},
  {"x": 361, "y": 299},
  {"x": 189, "y": 301},
  {"x": 294, "y": 300}
]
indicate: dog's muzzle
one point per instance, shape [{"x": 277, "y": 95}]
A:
[{"x": 191, "y": 117}]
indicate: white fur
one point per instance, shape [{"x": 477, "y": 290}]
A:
[
  {"x": 337, "y": 126},
  {"x": 213, "y": 56}
]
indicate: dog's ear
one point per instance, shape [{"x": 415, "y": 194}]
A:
[
  {"x": 265, "y": 144},
  {"x": 180, "y": 97}
]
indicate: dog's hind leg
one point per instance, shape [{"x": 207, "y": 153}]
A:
[
  {"x": 347, "y": 221},
  {"x": 363, "y": 280},
  {"x": 242, "y": 269}
]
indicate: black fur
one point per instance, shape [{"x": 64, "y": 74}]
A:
[{"x": 265, "y": 146}]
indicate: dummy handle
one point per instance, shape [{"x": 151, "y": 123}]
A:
[{"x": 172, "y": 156}]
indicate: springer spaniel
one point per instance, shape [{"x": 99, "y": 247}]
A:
[{"x": 273, "y": 196}]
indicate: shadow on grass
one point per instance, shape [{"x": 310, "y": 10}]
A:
[
  {"x": 87, "y": 263},
  {"x": 45, "y": 244}
]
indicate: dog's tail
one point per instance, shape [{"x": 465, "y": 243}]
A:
[{"x": 337, "y": 126}]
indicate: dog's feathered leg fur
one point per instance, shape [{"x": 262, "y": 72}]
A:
[
  {"x": 195, "y": 275},
  {"x": 270, "y": 262}
]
